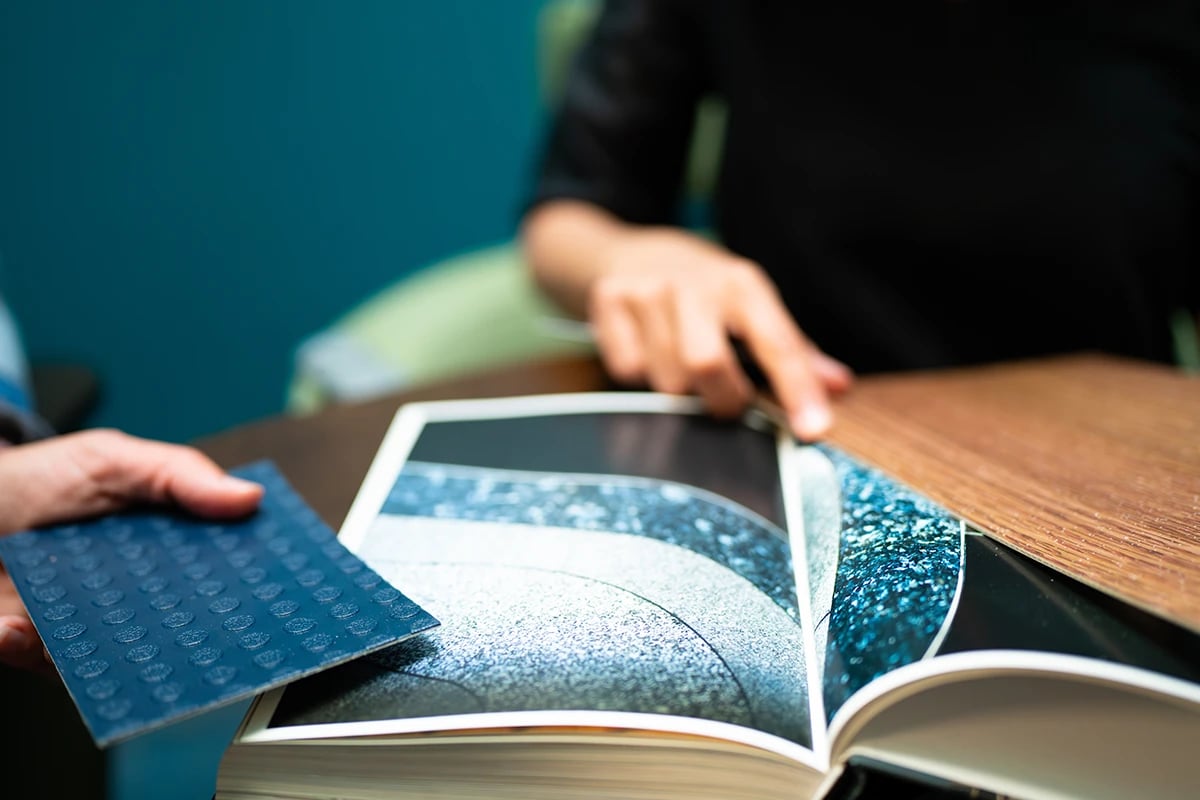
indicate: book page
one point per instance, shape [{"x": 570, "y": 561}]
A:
[
  {"x": 1036, "y": 725},
  {"x": 895, "y": 579},
  {"x": 921, "y": 599},
  {"x": 968, "y": 594},
  {"x": 627, "y": 559}
]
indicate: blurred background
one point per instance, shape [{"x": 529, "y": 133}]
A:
[{"x": 188, "y": 189}]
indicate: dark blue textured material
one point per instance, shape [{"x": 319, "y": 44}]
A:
[{"x": 151, "y": 615}]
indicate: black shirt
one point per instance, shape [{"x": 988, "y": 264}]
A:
[{"x": 929, "y": 183}]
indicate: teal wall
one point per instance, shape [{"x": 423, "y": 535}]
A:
[{"x": 189, "y": 188}]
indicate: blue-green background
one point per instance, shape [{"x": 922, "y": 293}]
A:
[{"x": 189, "y": 188}]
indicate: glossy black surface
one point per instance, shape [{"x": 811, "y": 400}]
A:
[
  {"x": 728, "y": 459},
  {"x": 1010, "y": 601}
]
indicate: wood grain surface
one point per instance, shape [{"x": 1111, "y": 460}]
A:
[{"x": 1087, "y": 463}]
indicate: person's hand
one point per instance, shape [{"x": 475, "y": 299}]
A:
[
  {"x": 665, "y": 307},
  {"x": 19, "y": 642},
  {"x": 94, "y": 472}
]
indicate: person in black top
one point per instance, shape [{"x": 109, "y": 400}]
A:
[{"x": 902, "y": 186}]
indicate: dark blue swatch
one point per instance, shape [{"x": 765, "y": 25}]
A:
[{"x": 152, "y": 615}]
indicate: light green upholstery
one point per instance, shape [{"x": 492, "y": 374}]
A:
[
  {"x": 1185, "y": 331},
  {"x": 472, "y": 310}
]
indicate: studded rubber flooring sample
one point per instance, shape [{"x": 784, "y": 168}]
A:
[{"x": 152, "y": 615}]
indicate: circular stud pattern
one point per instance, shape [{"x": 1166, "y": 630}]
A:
[
  {"x": 59, "y": 612},
  {"x": 153, "y": 585},
  {"x": 115, "y": 709},
  {"x": 205, "y": 656},
  {"x": 177, "y": 619},
  {"x": 165, "y": 601},
  {"x": 327, "y": 594},
  {"x": 49, "y": 594},
  {"x": 223, "y": 605},
  {"x": 260, "y": 578},
  {"x": 254, "y": 640},
  {"x": 167, "y": 692},
  {"x": 209, "y": 588},
  {"x": 109, "y": 597},
  {"x": 310, "y": 578},
  {"x": 317, "y": 642},
  {"x": 191, "y": 637},
  {"x": 71, "y": 630},
  {"x": 141, "y": 567},
  {"x": 238, "y": 622},
  {"x": 103, "y": 689},
  {"x": 343, "y": 611},
  {"x": 118, "y": 616},
  {"x": 268, "y": 591},
  {"x": 253, "y": 575},
  {"x": 129, "y": 635},
  {"x": 80, "y": 649},
  {"x": 143, "y": 652},
  {"x": 220, "y": 675},
  {"x": 96, "y": 581},
  {"x": 239, "y": 559},
  {"x": 283, "y": 608},
  {"x": 157, "y": 672},
  {"x": 92, "y": 668}
]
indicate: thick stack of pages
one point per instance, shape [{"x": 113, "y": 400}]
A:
[{"x": 641, "y": 602}]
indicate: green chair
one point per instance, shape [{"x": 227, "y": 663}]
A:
[
  {"x": 467, "y": 312},
  {"x": 475, "y": 309}
]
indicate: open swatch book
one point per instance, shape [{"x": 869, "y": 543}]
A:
[{"x": 641, "y": 602}]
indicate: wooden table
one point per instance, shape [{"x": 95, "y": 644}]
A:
[{"x": 1088, "y": 463}]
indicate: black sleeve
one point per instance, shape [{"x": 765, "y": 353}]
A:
[{"x": 620, "y": 136}]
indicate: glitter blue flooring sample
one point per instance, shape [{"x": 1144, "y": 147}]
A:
[
  {"x": 897, "y": 574},
  {"x": 576, "y": 591},
  {"x": 685, "y": 516},
  {"x": 151, "y": 615}
]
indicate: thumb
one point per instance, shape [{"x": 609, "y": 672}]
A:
[
  {"x": 212, "y": 493},
  {"x": 128, "y": 469},
  {"x": 20, "y": 646},
  {"x": 99, "y": 471}
]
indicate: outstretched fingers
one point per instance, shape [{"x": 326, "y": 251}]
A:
[
  {"x": 708, "y": 358},
  {"x": 801, "y": 376}
]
